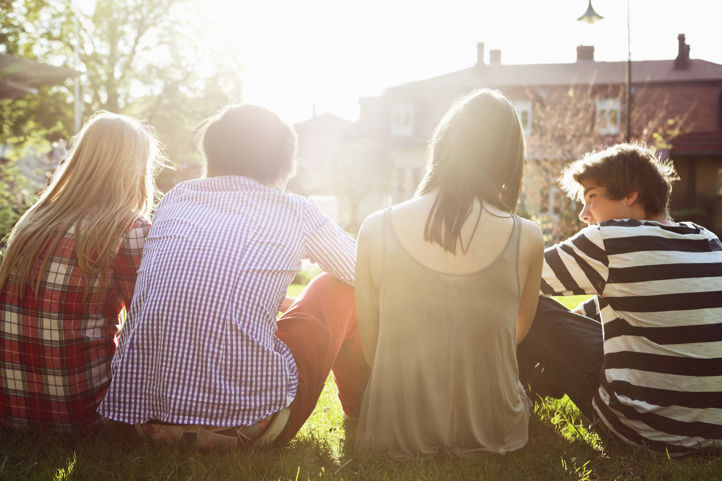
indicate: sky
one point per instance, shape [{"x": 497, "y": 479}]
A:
[{"x": 298, "y": 54}]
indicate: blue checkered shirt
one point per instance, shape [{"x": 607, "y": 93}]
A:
[{"x": 199, "y": 344}]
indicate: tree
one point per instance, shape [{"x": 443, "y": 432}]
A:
[
  {"x": 565, "y": 127},
  {"x": 15, "y": 198},
  {"x": 48, "y": 115},
  {"x": 359, "y": 176},
  {"x": 146, "y": 58}
]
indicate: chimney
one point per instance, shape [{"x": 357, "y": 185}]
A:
[
  {"x": 682, "y": 61},
  {"x": 585, "y": 53},
  {"x": 495, "y": 57},
  {"x": 479, "y": 54}
]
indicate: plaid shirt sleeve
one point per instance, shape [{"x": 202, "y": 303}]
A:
[{"x": 126, "y": 263}]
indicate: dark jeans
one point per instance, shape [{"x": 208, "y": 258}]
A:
[{"x": 562, "y": 354}]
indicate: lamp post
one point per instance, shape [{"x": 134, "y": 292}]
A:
[{"x": 590, "y": 16}]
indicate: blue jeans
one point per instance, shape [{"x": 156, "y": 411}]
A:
[{"x": 562, "y": 354}]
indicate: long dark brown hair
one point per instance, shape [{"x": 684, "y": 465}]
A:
[{"x": 477, "y": 152}]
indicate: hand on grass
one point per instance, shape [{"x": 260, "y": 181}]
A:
[{"x": 286, "y": 304}]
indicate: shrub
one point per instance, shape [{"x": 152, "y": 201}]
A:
[
  {"x": 307, "y": 272},
  {"x": 16, "y": 196}
]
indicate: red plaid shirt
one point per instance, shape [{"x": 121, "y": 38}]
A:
[{"x": 55, "y": 351}]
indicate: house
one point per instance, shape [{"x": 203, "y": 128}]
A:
[
  {"x": 345, "y": 177},
  {"x": 318, "y": 139},
  {"x": 567, "y": 109}
]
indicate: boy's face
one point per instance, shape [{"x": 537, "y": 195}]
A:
[{"x": 598, "y": 207}]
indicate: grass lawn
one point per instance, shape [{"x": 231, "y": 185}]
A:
[{"x": 559, "y": 448}]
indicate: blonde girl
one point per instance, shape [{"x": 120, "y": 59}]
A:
[{"x": 68, "y": 272}]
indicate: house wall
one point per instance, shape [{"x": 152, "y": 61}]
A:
[
  {"x": 698, "y": 103},
  {"x": 563, "y": 129},
  {"x": 408, "y": 170},
  {"x": 709, "y": 190},
  {"x": 698, "y": 194},
  {"x": 681, "y": 189}
]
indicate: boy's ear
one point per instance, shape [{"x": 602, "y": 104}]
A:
[{"x": 631, "y": 198}]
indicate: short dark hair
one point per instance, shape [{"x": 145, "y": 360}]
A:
[
  {"x": 622, "y": 169},
  {"x": 249, "y": 141}
]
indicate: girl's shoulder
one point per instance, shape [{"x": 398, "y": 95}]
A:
[
  {"x": 373, "y": 222},
  {"x": 371, "y": 233},
  {"x": 138, "y": 230},
  {"x": 531, "y": 238},
  {"x": 141, "y": 222},
  {"x": 530, "y": 228}
]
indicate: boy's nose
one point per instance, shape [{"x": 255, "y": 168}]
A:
[{"x": 584, "y": 215}]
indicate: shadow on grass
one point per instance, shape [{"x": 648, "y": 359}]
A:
[
  {"x": 541, "y": 459},
  {"x": 559, "y": 447}
]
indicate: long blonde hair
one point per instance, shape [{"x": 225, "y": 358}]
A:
[{"x": 105, "y": 184}]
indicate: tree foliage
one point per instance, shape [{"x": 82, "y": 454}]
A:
[
  {"x": 153, "y": 59},
  {"x": 15, "y": 198},
  {"x": 34, "y": 29},
  {"x": 359, "y": 176},
  {"x": 148, "y": 58},
  {"x": 564, "y": 129}
]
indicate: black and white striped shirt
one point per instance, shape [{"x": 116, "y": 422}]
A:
[{"x": 659, "y": 297}]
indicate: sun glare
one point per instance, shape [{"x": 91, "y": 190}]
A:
[
  {"x": 294, "y": 55},
  {"x": 329, "y": 53}
]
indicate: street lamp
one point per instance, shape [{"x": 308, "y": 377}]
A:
[{"x": 590, "y": 16}]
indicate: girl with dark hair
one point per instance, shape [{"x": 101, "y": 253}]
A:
[{"x": 446, "y": 286}]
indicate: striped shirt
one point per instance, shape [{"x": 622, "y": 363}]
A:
[
  {"x": 659, "y": 297},
  {"x": 199, "y": 344}
]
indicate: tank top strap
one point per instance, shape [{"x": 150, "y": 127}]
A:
[
  {"x": 516, "y": 249},
  {"x": 387, "y": 233},
  {"x": 387, "y": 238}
]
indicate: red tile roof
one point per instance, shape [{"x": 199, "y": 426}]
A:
[{"x": 578, "y": 73}]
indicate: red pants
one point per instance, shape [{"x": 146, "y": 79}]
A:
[{"x": 320, "y": 330}]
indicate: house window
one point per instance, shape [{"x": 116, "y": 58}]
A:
[
  {"x": 607, "y": 119},
  {"x": 402, "y": 119},
  {"x": 523, "y": 111}
]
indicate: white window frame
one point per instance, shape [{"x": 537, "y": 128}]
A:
[
  {"x": 607, "y": 117},
  {"x": 524, "y": 107},
  {"x": 402, "y": 119}
]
